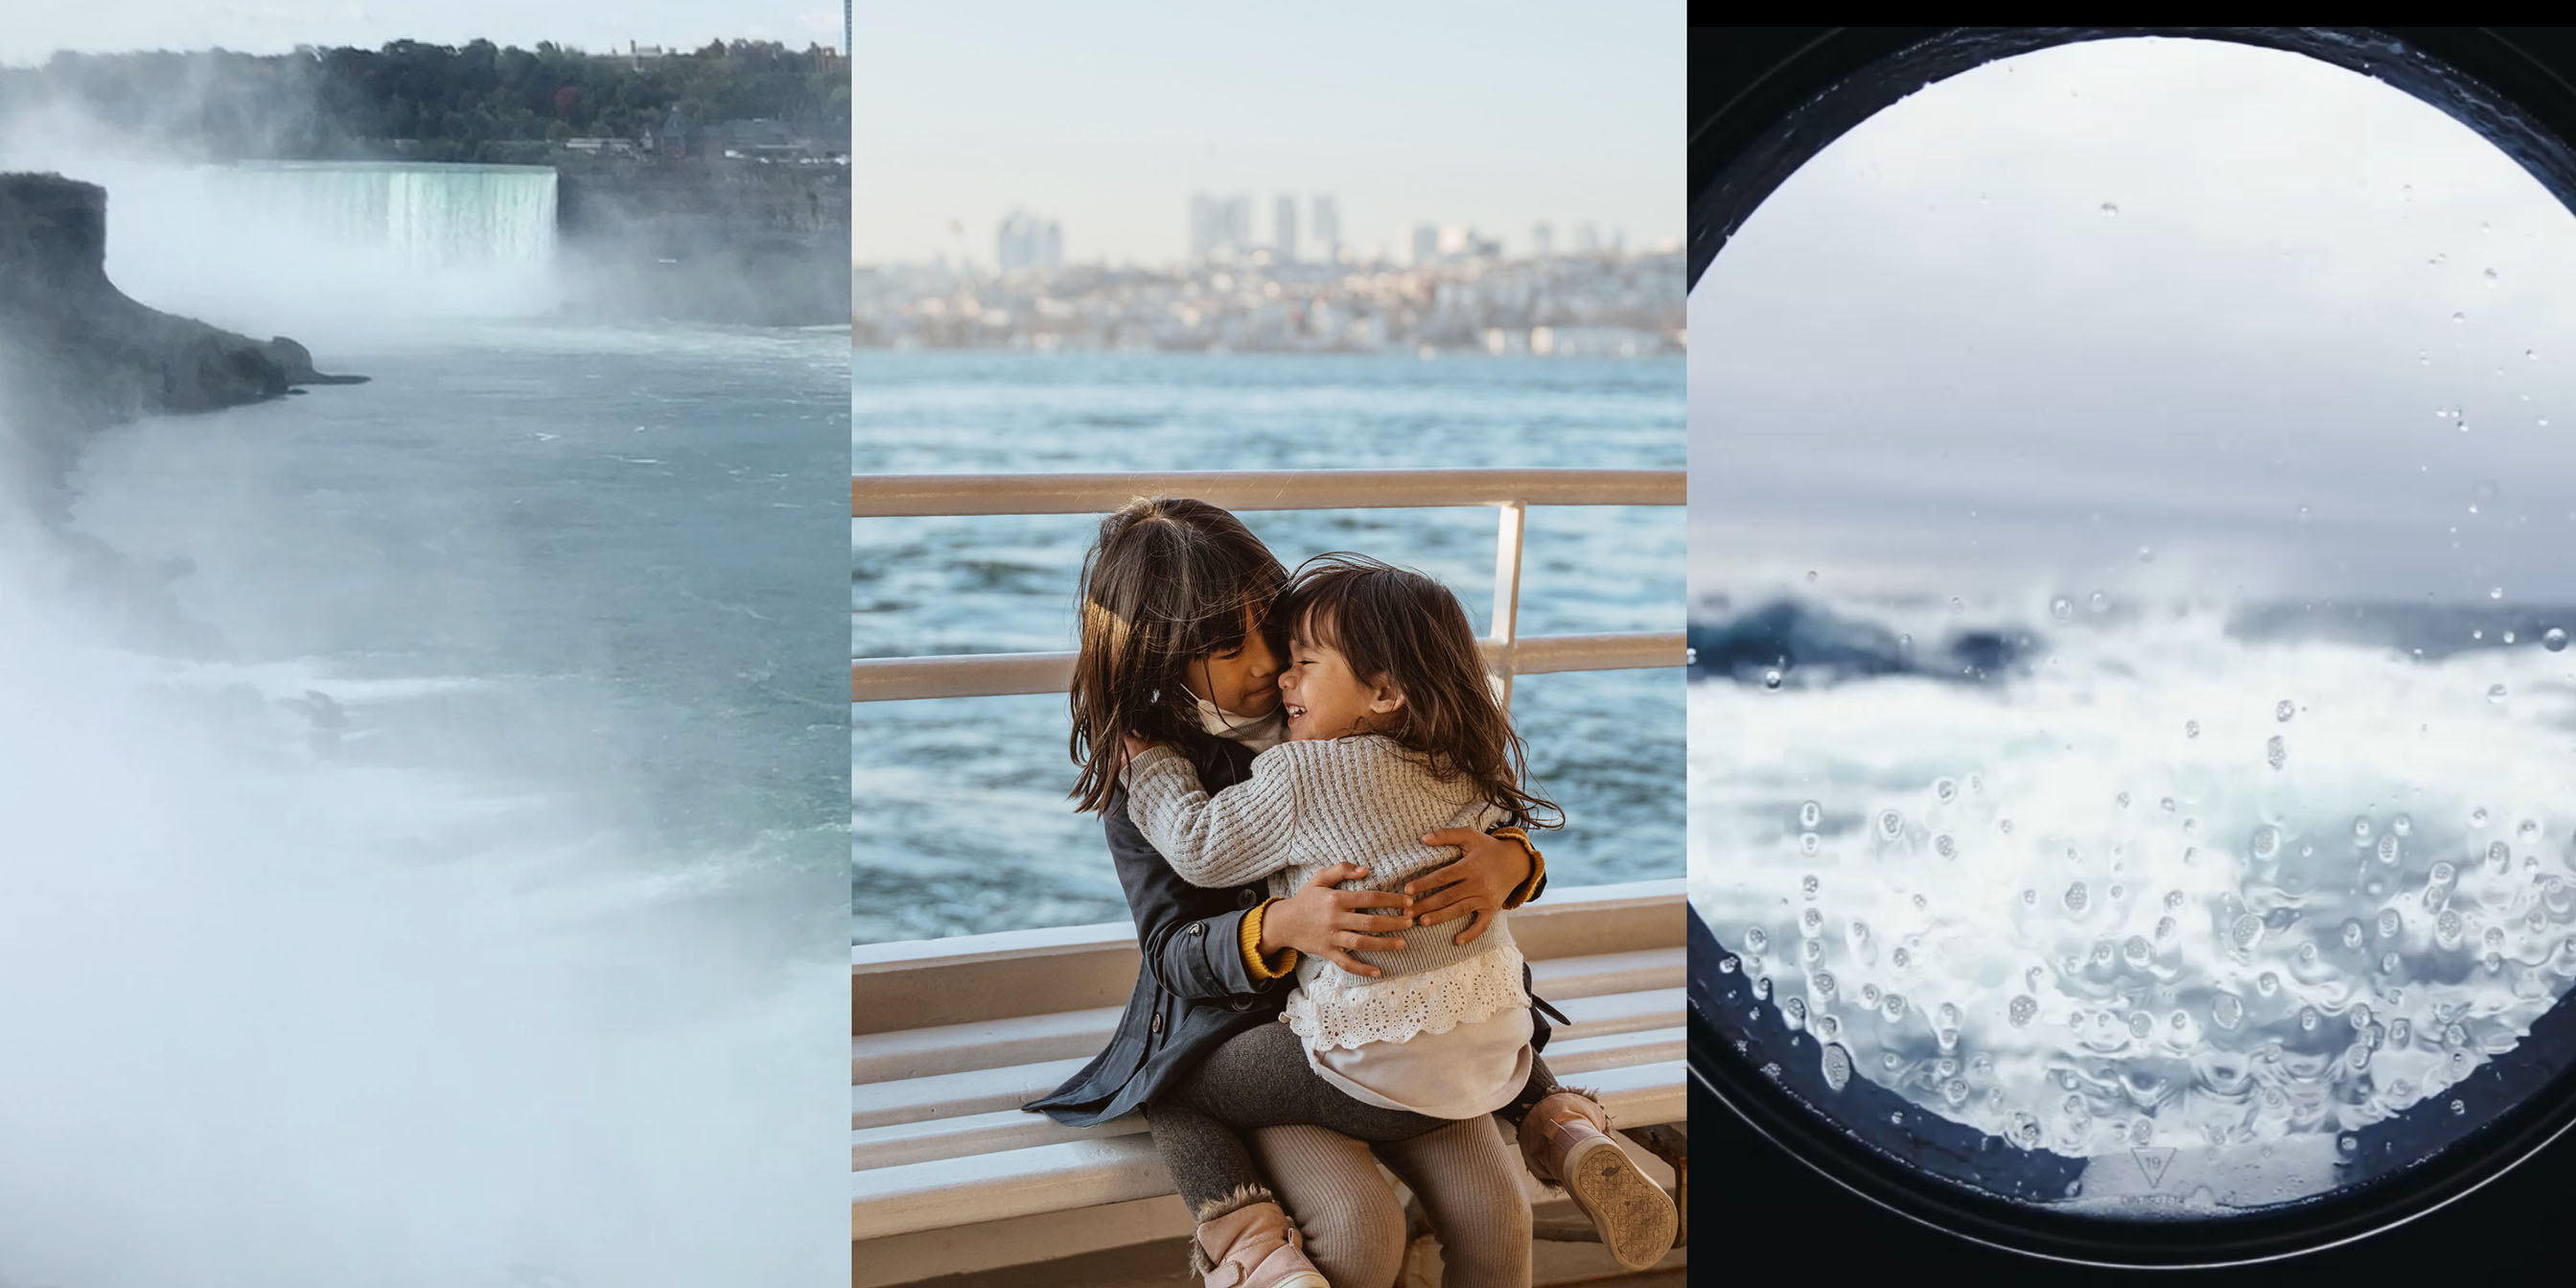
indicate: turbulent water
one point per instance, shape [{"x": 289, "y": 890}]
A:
[
  {"x": 431, "y": 217},
  {"x": 423, "y": 851},
  {"x": 958, "y": 811},
  {"x": 2142, "y": 874}
]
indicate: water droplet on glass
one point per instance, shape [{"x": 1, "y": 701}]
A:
[
  {"x": 2137, "y": 952},
  {"x": 1837, "y": 1066},
  {"x": 1890, "y": 824},
  {"x": 2098, "y": 602},
  {"x": 2529, "y": 831},
  {"x": 2146, "y": 554},
  {"x": 2006, "y": 825},
  {"x": 1755, "y": 940},
  {"x": 1808, "y": 884},
  {"x": 2352, "y": 934},
  {"x": 2267, "y": 841},
  {"x": 2499, "y": 857},
  {"x": 2267, "y": 983},
  {"x": 1811, "y": 922},
  {"x": 1892, "y": 1007},
  {"x": 2388, "y": 848},
  {"x": 2077, "y": 898},
  {"x": 2554, "y": 639},
  {"x": 2191, "y": 728},
  {"x": 1771, "y": 679},
  {"x": 2140, "y": 1026},
  {"x": 2109, "y": 209},
  {"x": 1945, "y": 847},
  {"x": 2390, "y": 923},
  {"x": 2060, "y": 608},
  {"x": 2227, "y": 1010},
  {"x": 2478, "y": 816},
  {"x": 1902, "y": 958},
  {"x": 2275, "y": 751},
  {"x": 2495, "y": 592},
  {"x": 1823, "y": 982},
  {"x": 2459, "y": 317},
  {"x": 2245, "y": 930},
  {"x": 2495, "y": 693},
  {"x": 1725, "y": 965},
  {"x": 2308, "y": 1018},
  {"x": 2020, "y": 1010},
  {"x": 1809, "y": 843},
  {"x": 1810, "y": 814},
  {"x": 1811, "y": 576}
]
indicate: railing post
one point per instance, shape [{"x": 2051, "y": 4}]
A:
[{"x": 1507, "y": 596}]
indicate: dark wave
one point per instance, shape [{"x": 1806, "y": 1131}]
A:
[{"x": 1808, "y": 646}]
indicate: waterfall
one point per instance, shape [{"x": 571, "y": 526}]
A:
[
  {"x": 319, "y": 247},
  {"x": 433, "y": 218}
]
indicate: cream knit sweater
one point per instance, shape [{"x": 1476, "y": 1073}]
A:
[{"x": 1306, "y": 807}]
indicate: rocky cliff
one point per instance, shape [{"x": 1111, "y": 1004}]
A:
[
  {"x": 76, "y": 354},
  {"x": 714, "y": 239}
]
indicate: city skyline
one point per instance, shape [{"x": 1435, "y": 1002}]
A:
[
  {"x": 278, "y": 26},
  {"x": 1405, "y": 117}
]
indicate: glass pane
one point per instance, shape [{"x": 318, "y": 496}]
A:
[{"x": 2130, "y": 710}]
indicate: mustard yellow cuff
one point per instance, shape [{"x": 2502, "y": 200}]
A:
[
  {"x": 1538, "y": 866},
  {"x": 1262, "y": 971}
]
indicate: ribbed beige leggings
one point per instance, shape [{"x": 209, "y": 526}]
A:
[{"x": 1466, "y": 1175}]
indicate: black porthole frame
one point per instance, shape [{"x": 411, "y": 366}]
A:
[{"x": 1763, "y": 102}]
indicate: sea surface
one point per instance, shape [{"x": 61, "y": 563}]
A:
[
  {"x": 436, "y": 878},
  {"x": 959, "y": 821}
]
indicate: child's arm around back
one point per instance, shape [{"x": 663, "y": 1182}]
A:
[{"x": 1243, "y": 834}]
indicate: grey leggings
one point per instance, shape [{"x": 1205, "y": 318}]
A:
[{"x": 1260, "y": 1078}]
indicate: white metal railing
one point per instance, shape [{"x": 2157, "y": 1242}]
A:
[{"x": 1512, "y": 492}]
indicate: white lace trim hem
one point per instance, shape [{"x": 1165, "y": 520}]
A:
[{"x": 1393, "y": 1010}]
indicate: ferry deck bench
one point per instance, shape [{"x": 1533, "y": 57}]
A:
[{"x": 951, "y": 1036}]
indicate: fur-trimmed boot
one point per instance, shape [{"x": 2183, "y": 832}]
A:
[
  {"x": 1244, "y": 1240},
  {"x": 1566, "y": 1140}
]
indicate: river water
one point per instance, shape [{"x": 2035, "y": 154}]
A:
[
  {"x": 959, "y": 821},
  {"x": 436, "y": 878}
]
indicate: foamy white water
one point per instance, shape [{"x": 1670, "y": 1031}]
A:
[{"x": 2172, "y": 887}]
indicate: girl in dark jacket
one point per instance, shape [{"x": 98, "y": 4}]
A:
[{"x": 1177, "y": 647}]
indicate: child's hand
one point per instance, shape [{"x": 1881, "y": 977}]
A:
[
  {"x": 1327, "y": 922},
  {"x": 1486, "y": 872}
]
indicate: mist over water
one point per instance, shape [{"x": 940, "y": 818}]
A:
[{"x": 437, "y": 878}]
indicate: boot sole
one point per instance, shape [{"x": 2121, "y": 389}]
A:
[{"x": 1633, "y": 1215}]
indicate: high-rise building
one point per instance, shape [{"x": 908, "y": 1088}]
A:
[
  {"x": 1426, "y": 244},
  {"x": 1283, "y": 228},
  {"x": 1542, "y": 239},
  {"x": 1025, "y": 241},
  {"x": 1205, "y": 230},
  {"x": 1220, "y": 225},
  {"x": 1328, "y": 227},
  {"x": 1587, "y": 238}
]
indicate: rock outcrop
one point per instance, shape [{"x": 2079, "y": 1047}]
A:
[{"x": 77, "y": 354}]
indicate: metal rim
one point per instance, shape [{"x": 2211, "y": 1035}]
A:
[{"x": 1776, "y": 107}]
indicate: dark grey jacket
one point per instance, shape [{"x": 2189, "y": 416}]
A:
[{"x": 1194, "y": 991}]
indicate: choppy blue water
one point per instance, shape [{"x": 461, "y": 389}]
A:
[{"x": 958, "y": 818}]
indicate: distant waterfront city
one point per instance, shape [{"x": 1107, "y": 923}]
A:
[{"x": 1458, "y": 292}]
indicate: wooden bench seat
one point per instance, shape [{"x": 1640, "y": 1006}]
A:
[{"x": 947, "y": 1170}]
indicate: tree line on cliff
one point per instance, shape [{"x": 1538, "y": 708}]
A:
[{"x": 474, "y": 102}]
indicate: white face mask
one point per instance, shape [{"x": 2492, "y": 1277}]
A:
[{"x": 1260, "y": 733}]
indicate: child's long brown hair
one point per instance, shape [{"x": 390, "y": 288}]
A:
[
  {"x": 1168, "y": 580},
  {"x": 1399, "y": 628}
]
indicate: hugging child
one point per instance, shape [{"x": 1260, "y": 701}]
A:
[{"x": 1394, "y": 732}]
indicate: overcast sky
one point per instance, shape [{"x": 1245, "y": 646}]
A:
[
  {"x": 1107, "y": 116},
  {"x": 36, "y": 28},
  {"x": 2156, "y": 294}
]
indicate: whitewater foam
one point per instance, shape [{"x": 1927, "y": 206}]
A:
[{"x": 2167, "y": 885}]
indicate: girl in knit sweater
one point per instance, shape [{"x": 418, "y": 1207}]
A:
[{"x": 1394, "y": 733}]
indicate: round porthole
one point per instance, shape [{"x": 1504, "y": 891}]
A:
[{"x": 2130, "y": 706}]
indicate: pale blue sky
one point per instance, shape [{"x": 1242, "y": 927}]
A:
[
  {"x": 2290, "y": 328},
  {"x": 1107, "y": 116},
  {"x": 36, "y": 28}
]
